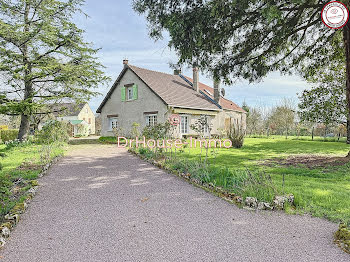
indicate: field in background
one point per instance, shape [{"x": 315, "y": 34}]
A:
[{"x": 322, "y": 189}]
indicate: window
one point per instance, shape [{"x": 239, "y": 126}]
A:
[
  {"x": 113, "y": 123},
  {"x": 206, "y": 129},
  {"x": 130, "y": 93},
  {"x": 151, "y": 120},
  {"x": 206, "y": 126},
  {"x": 184, "y": 124},
  {"x": 90, "y": 121}
]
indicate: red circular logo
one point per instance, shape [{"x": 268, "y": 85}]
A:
[
  {"x": 174, "y": 119},
  {"x": 335, "y": 15}
]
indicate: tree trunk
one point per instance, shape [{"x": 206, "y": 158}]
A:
[
  {"x": 24, "y": 127},
  {"x": 346, "y": 37},
  {"x": 28, "y": 85}
]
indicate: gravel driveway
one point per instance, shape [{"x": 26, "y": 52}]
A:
[{"x": 102, "y": 204}]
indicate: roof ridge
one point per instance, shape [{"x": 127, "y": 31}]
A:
[
  {"x": 155, "y": 71},
  {"x": 151, "y": 70}
]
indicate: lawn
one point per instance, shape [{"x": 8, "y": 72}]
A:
[
  {"x": 322, "y": 191},
  {"x": 20, "y": 165}
]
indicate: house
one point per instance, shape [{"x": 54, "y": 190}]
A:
[
  {"x": 79, "y": 116},
  {"x": 148, "y": 97}
]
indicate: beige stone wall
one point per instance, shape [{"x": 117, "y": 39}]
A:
[
  {"x": 132, "y": 111},
  {"x": 88, "y": 115},
  {"x": 217, "y": 122}
]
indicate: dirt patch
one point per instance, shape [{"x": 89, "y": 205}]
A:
[
  {"x": 310, "y": 161},
  {"x": 29, "y": 166}
]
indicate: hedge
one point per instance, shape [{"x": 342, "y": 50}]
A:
[{"x": 8, "y": 135}]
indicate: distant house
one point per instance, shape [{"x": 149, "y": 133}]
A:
[
  {"x": 79, "y": 116},
  {"x": 149, "y": 97}
]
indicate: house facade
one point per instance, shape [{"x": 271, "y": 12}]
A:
[
  {"x": 79, "y": 116},
  {"x": 148, "y": 97}
]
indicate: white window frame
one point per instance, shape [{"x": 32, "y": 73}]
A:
[
  {"x": 187, "y": 127},
  {"x": 112, "y": 120},
  {"x": 207, "y": 126},
  {"x": 148, "y": 119},
  {"x": 206, "y": 129},
  {"x": 129, "y": 96}
]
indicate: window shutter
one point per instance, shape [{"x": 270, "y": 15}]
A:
[
  {"x": 135, "y": 92},
  {"x": 123, "y": 93}
]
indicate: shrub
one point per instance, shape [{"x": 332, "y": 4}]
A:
[
  {"x": 53, "y": 131},
  {"x": 236, "y": 135},
  {"x": 135, "y": 131},
  {"x": 147, "y": 153},
  {"x": 157, "y": 131},
  {"x": 1, "y": 166},
  {"x": 342, "y": 237},
  {"x": 8, "y": 135}
]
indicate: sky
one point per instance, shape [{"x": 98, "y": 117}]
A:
[{"x": 121, "y": 33}]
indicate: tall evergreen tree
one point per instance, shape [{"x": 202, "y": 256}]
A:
[
  {"x": 250, "y": 38},
  {"x": 43, "y": 58}
]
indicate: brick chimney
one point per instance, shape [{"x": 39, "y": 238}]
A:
[
  {"x": 195, "y": 78},
  {"x": 217, "y": 91},
  {"x": 125, "y": 62}
]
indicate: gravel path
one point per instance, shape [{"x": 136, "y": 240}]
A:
[{"x": 102, "y": 204}]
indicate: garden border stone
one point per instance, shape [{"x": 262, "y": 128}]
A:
[
  {"x": 341, "y": 237},
  {"x": 13, "y": 217}
]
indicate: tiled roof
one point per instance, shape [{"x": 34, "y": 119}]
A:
[
  {"x": 67, "y": 109},
  {"x": 225, "y": 103},
  {"x": 175, "y": 91}
]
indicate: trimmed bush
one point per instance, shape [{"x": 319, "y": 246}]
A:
[{"x": 8, "y": 135}]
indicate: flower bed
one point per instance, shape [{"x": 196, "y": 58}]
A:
[{"x": 198, "y": 174}]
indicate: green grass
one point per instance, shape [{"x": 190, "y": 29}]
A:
[
  {"x": 108, "y": 139},
  {"x": 324, "y": 192},
  {"x": 29, "y": 159}
]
